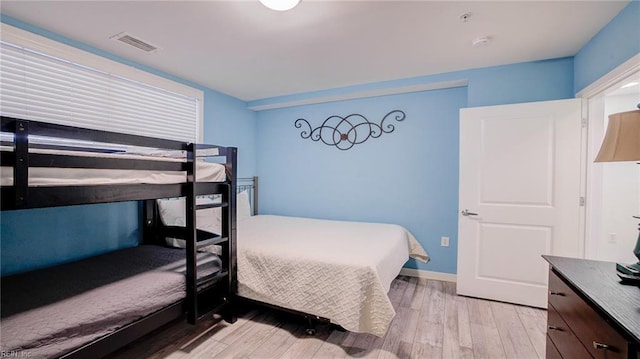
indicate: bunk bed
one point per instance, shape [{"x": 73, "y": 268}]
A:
[
  {"x": 91, "y": 307},
  {"x": 323, "y": 270}
]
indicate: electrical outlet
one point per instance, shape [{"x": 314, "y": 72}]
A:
[
  {"x": 613, "y": 238},
  {"x": 444, "y": 241}
]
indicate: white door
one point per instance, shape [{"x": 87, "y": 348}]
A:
[{"x": 520, "y": 175}]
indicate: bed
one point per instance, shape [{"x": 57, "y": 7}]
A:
[
  {"x": 91, "y": 307},
  {"x": 332, "y": 271},
  {"x": 337, "y": 270},
  {"x": 50, "y": 312}
]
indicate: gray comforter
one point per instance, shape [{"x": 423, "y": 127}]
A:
[{"x": 49, "y": 312}]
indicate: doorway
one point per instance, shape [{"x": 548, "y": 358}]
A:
[{"x": 613, "y": 188}]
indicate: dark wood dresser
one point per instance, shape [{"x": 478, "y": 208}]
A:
[{"x": 591, "y": 314}]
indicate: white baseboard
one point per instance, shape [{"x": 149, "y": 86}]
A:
[{"x": 419, "y": 273}]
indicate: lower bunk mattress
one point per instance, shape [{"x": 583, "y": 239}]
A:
[{"x": 49, "y": 312}]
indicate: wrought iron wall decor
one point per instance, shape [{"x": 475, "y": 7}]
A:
[{"x": 345, "y": 132}]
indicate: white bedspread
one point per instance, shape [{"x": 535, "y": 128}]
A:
[{"x": 333, "y": 269}]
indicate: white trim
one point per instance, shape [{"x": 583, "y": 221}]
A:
[
  {"x": 57, "y": 49},
  {"x": 614, "y": 76},
  {"x": 364, "y": 94},
  {"x": 584, "y": 167},
  {"x": 593, "y": 220},
  {"x": 424, "y": 274}
]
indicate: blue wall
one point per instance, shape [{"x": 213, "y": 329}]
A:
[
  {"x": 228, "y": 122},
  {"x": 40, "y": 238},
  {"x": 408, "y": 177},
  {"x": 524, "y": 82},
  {"x": 617, "y": 42}
]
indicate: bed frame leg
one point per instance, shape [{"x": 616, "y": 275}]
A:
[
  {"x": 230, "y": 317},
  {"x": 311, "y": 325},
  {"x": 230, "y": 313}
]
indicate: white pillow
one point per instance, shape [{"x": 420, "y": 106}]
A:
[
  {"x": 243, "y": 209},
  {"x": 172, "y": 213},
  {"x": 181, "y": 243}
]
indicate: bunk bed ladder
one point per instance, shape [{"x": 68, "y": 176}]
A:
[
  {"x": 190, "y": 236},
  {"x": 229, "y": 229},
  {"x": 227, "y": 240}
]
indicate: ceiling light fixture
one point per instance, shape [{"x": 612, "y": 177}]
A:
[{"x": 280, "y": 5}]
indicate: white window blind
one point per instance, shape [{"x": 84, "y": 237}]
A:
[{"x": 35, "y": 85}]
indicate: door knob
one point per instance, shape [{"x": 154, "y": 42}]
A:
[{"x": 466, "y": 213}]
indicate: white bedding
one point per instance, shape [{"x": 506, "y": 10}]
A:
[
  {"x": 333, "y": 269},
  {"x": 44, "y": 176}
]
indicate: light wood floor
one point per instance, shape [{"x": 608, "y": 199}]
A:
[{"x": 431, "y": 322}]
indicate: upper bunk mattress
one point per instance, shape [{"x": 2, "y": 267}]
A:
[
  {"x": 51, "y": 176},
  {"x": 49, "y": 312},
  {"x": 338, "y": 270}
]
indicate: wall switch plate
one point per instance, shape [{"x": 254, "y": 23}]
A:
[
  {"x": 613, "y": 237},
  {"x": 444, "y": 241}
]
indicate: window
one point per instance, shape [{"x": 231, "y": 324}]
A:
[{"x": 44, "y": 80}]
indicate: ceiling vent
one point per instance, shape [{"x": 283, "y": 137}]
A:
[{"x": 135, "y": 42}]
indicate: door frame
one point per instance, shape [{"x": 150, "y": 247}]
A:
[{"x": 594, "y": 102}]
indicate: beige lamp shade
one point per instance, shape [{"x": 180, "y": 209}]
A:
[{"x": 622, "y": 140}]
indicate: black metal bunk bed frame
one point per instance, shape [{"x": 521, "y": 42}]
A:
[
  {"x": 199, "y": 290},
  {"x": 251, "y": 186}
]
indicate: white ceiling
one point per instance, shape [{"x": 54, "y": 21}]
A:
[{"x": 250, "y": 52}]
